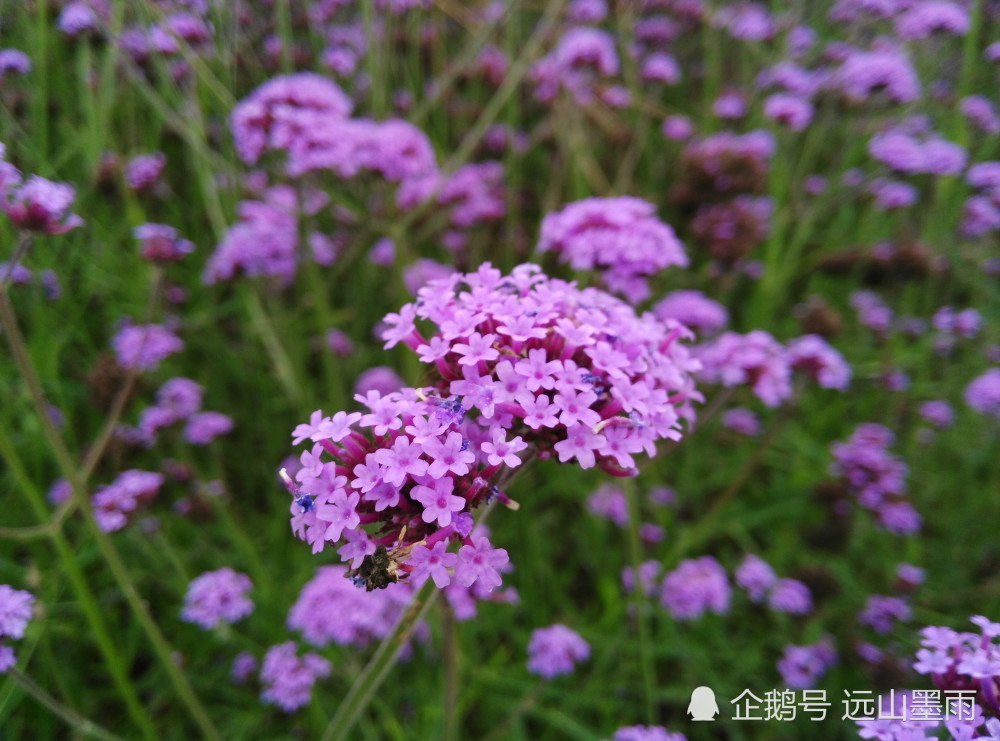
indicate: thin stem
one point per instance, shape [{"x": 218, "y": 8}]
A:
[
  {"x": 639, "y": 599},
  {"x": 704, "y": 528},
  {"x": 84, "y": 596},
  {"x": 76, "y": 721},
  {"x": 523, "y": 706},
  {"x": 108, "y": 551},
  {"x": 378, "y": 667},
  {"x": 449, "y": 638}
]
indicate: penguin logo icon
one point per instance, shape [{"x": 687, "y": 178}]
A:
[{"x": 703, "y": 705}]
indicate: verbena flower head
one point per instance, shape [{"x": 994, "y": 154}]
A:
[
  {"x": 875, "y": 477},
  {"x": 741, "y": 421},
  {"x": 217, "y": 596},
  {"x": 39, "y": 205},
  {"x": 144, "y": 170},
  {"x": 115, "y": 503},
  {"x": 555, "y": 650},
  {"x": 15, "y": 613},
  {"x": 811, "y": 355},
  {"x": 621, "y": 237},
  {"x": 694, "y": 587},
  {"x": 755, "y": 359},
  {"x": 694, "y": 310},
  {"x": 756, "y": 576},
  {"x": 523, "y": 366},
  {"x": 729, "y": 230},
  {"x": 886, "y": 70},
  {"x": 802, "y": 666},
  {"x": 983, "y": 393},
  {"x": 881, "y": 613},
  {"x": 964, "y": 661},
  {"x": 581, "y": 58},
  {"x": 330, "y": 609},
  {"x": 161, "y": 243},
  {"x": 282, "y": 109},
  {"x": 288, "y": 680},
  {"x": 722, "y": 165},
  {"x": 922, "y": 19},
  {"x": 143, "y": 347},
  {"x": 791, "y": 596}
]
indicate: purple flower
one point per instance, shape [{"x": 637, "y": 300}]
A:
[
  {"x": 438, "y": 501},
  {"x": 581, "y": 57},
  {"x": 217, "y": 596},
  {"x": 555, "y": 650},
  {"x": 676, "y": 128},
  {"x": 114, "y": 503},
  {"x": 432, "y": 563},
  {"x": 695, "y": 586},
  {"x": 811, "y": 355},
  {"x": 244, "y": 664},
  {"x": 880, "y": 613},
  {"x": 755, "y": 576},
  {"x": 39, "y": 205},
  {"x": 143, "y": 347},
  {"x": 789, "y": 110},
  {"x": 608, "y": 502},
  {"x": 694, "y": 310},
  {"x": 791, "y": 596},
  {"x": 982, "y": 395},
  {"x": 802, "y": 666},
  {"x": 756, "y": 359},
  {"x": 888, "y": 70},
  {"x": 287, "y": 679},
  {"x": 379, "y": 378},
  {"x": 15, "y": 61},
  {"x": 937, "y": 413},
  {"x": 331, "y": 609},
  {"x": 204, "y": 427},
  {"x": 479, "y": 564},
  {"x": 621, "y": 237},
  {"x": 15, "y": 611},
  {"x": 741, "y": 421},
  {"x": 921, "y": 19},
  {"x": 181, "y": 397},
  {"x": 161, "y": 243},
  {"x": 144, "y": 170}
]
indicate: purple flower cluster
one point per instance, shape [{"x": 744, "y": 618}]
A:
[
  {"x": 217, "y": 596},
  {"x": 729, "y": 230},
  {"x": 115, "y": 503},
  {"x": 881, "y": 613},
  {"x": 608, "y": 502},
  {"x": 885, "y": 70},
  {"x": 552, "y": 370},
  {"x": 178, "y": 400},
  {"x": 722, "y": 165},
  {"x": 582, "y": 58},
  {"x": 802, "y": 666},
  {"x": 288, "y": 680},
  {"x": 555, "y": 650},
  {"x": 306, "y": 116},
  {"x": 37, "y": 204},
  {"x": 741, "y": 421},
  {"x": 761, "y": 362},
  {"x": 265, "y": 241},
  {"x": 964, "y": 661},
  {"x": 692, "y": 309},
  {"x": 694, "y": 587},
  {"x": 15, "y": 613},
  {"x": 783, "y": 595},
  {"x": 474, "y": 193},
  {"x": 875, "y": 477},
  {"x": 983, "y": 393},
  {"x": 330, "y": 610},
  {"x": 143, "y": 171},
  {"x": 620, "y": 237},
  {"x": 911, "y": 155},
  {"x": 141, "y": 347},
  {"x": 160, "y": 243}
]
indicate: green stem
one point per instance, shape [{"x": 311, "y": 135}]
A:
[
  {"x": 639, "y": 598},
  {"x": 375, "y": 672},
  {"x": 449, "y": 638},
  {"x": 108, "y": 551},
  {"x": 84, "y": 596},
  {"x": 269, "y": 336},
  {"x": 76, "y": 721}
]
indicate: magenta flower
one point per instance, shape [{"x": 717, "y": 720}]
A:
[
  {"x": 479, "y": 564},
  {"x": 217, "y": 596},
  {"x": 432, "y": 563},
  {"x": 287, "y": 679},
  {"x": 438, "y": 501},
  {"x": 555, "y": 650},
  {"x": 39, "y": 205}
]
